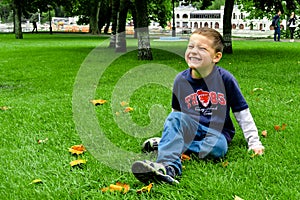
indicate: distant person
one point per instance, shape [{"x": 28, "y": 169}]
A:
[
  {"x": 276, "y": 20},
  {"x": 292, "y": 25},
  {"x": 34, "y": 26}
]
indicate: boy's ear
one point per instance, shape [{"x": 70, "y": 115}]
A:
[{"x": 217, "y": 57}]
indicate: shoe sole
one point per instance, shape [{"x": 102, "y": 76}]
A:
[{"x": 147, "y": 174}]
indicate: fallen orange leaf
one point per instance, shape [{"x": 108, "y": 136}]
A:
[
  {"x": 77, "y": 149},
  {"x": 98, "y": 102},
  {"x": 185, "y": 157},
  {"x": 277, "y": 127},
  {"x": 264, "y": 133},
  {"x": 128, "y": 109},
  {"x": 77, "y": 162},
  {"x": 283, "y": 126},
  {"x": 145, "y": 189},
  {"x": 121, "y": 187}
]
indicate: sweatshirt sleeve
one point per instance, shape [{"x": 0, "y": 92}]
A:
[{"x": 246, "y": 122}]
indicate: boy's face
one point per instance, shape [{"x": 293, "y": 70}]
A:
[{"x": 200, "y": 55}]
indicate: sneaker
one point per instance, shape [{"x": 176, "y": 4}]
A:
[
  {"x": 151, "y": 144},
  {"x": 148, "y": 172}
]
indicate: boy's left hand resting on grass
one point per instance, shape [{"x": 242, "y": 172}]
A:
[{"x": 246, "y": 123}]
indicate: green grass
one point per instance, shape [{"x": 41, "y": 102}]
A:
[{"x": 37, "y": 76}]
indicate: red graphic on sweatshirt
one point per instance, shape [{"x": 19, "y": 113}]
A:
[{"x": 205, "y": 98}]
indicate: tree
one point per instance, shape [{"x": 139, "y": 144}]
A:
[
  {"x": 17, "y": 9},
  {"x": 104, "y": 15},
  {"x": 93, "y": 16},
  {"x": 267, "y": 8},
  {"x": 144, "y": 49},
  {"x": 228, "y": 8},
  {"x": 121, "y": 26},
  {"x": 114, "y": 18}
]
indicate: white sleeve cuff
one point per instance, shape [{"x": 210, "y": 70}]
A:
[{"x": 246, "y": 122}]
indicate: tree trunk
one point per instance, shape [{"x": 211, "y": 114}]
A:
[
  {"x": 108, "y": 19},
  {"x": 227, "y": 26},
  {"x": 17, "y": 9},
  {"x": 144, "y": 49},
  {"x": 95, "y": 7},
  {"x": 114, "y": 16},
  {"x": 133, "y": 12},
  {"x": 121, "y": 26}
]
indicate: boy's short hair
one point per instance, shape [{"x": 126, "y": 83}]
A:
[{"x": 215, "y": 36}]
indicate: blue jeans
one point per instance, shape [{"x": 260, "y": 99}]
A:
[
  {"x": 183, "y": 134},
  {"x": 277, "y": 32}
]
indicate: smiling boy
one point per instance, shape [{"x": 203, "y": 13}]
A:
[{"x": 200, "y": 122}]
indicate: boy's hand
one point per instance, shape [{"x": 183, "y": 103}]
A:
[{"x": 258, "y": 151}]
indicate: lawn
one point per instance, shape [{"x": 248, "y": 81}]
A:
[{"x": 48, "y": 81}]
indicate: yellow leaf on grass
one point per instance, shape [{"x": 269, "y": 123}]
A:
[
  {"x": 257, "y": 89},
  {"x": 128, "y": 109},
  {"x": 77, "y": 162},
  {"x": 4, "y": 108},
  {"x": 98, "y": 102},
  {"x": 237, "y": 198},
  {"x": 145, "y": 189},
  {"x": 36, "y": 181},
  {"x": 42, "y": 141},
  {"x": 120, "y": 187},
  {"x": 225, "y": 164}
]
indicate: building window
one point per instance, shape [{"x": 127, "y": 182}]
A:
[
  {"x": 205, "y": 16},
  {"x": 217, "y": 25},
  {"x": 185, "y": 16},
  {"x": 178, "y": 16},
  {"x": 195, "y": 25}
]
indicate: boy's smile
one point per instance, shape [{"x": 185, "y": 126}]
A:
[{"x": 200, "y": 56}]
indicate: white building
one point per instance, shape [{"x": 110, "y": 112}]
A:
[{"x": 189, "y": 18}]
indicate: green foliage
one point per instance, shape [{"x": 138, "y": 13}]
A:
[
  {"x": 37, "y": 78},
  {"x": 160, "y": 11},
  {"x": 216, "y": 5},
  {"x": 268, "y": 8}
]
